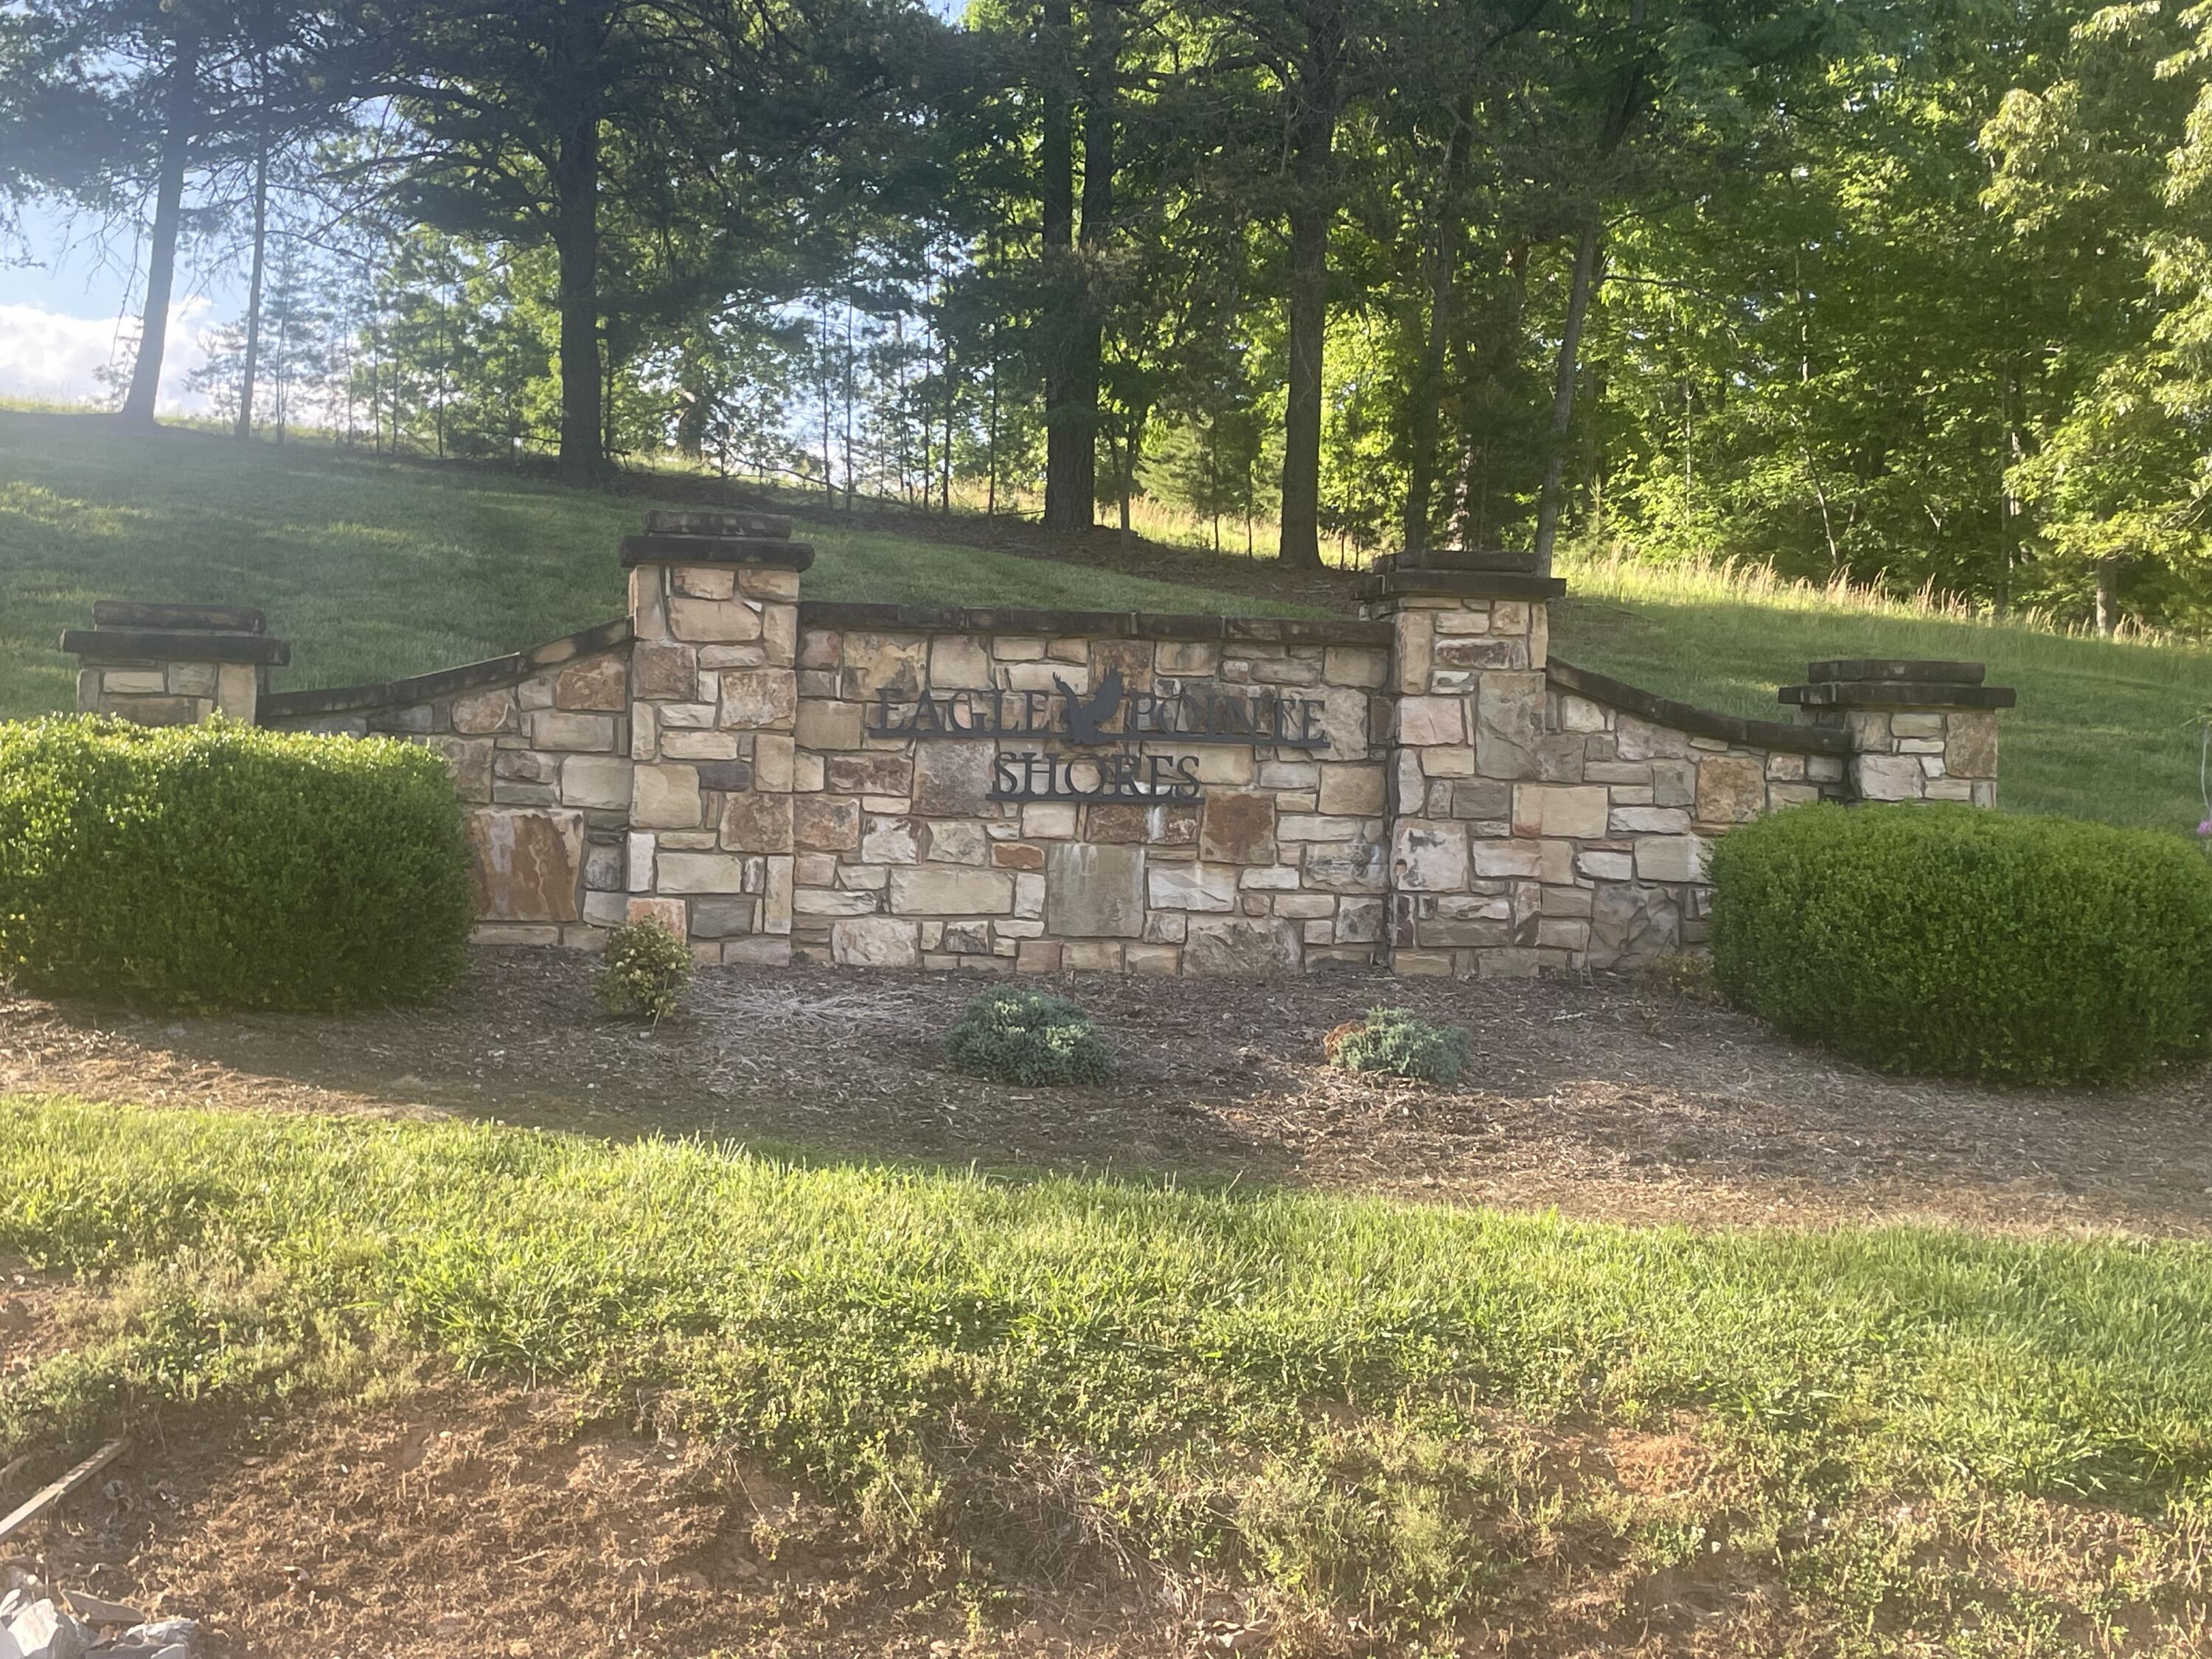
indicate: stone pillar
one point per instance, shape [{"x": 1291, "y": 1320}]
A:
[
  {"x": 713, "y": 701},
  {"x": 1478, "y": 824},
  {"x": 172, "y": 664},
  {"x": 1918, "y": 730}
]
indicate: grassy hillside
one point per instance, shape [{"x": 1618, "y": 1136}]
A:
[
  {"x": 373, "y": 570},
  {"x": 2104, "y": 729}
]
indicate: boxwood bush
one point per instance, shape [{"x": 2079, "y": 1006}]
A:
[
  {"x": 1029, "y": 1038},
  {"x": 1951, "y": 941},
  {"x": 1394, "y": 1042},
  {"x": 222, "y": 865}
]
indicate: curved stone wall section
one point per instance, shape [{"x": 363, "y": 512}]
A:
[{"x": 539, "y": 743}]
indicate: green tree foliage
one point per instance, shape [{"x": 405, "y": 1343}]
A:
[{"x": 1920, "y": 295}]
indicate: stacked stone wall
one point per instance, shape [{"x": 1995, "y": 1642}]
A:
[
  {"x": 903, "y": 859},
  {"x": 1005, "y": 791}
]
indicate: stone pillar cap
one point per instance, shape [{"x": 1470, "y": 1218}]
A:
[
  {"x": 174, "y": 645},
  {"x": 1916, "y": 671},
  {"x": 754, "y": 538},
  {"x": 1468, "y": 573}
]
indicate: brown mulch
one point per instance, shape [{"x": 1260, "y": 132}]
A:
[{"x": 1601, "y": 1098}]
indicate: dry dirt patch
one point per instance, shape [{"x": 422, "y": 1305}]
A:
[{"x": 1593, "y": 1096}]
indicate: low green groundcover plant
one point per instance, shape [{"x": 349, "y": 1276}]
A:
[
  {"x": 1027, "y": 1037},
  {"x": 1950, "y": 941},
  {"x": 222, "y": 865},
  {"x": 1391, "y": 1042},
  {"x": 644, "y": 972}
]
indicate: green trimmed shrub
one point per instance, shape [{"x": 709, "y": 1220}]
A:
[
  {"x": 644, "y": 972},
  {"x": 220, "y": 866},
  {"x": 1391, "y": 1042},
  {"x": 1026, "y": 1037},
  {"x": 1952, "y": 941}
]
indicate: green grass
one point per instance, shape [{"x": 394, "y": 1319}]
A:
[
  {"x": 1349, "y": 1404},
  {"x": 2104, "y": 729},
  {"x": 376, "y": 570}
]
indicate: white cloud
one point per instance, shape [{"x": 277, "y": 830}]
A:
[{"x": 50, "y": 355}]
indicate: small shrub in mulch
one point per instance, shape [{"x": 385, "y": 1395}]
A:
[
  {"x": 1391, "y": 1042},
  {"x": 1027, "y": 1037},
  {"x": 645, "y": 972}
]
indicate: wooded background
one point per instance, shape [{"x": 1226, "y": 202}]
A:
[{"x": 1913, "y": 291}]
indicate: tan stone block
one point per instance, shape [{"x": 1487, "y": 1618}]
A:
[
  {"x": 601, "y": 781},
  {"x": 700, "y": 873},
  {"x": 756, "y": 821},
  {"x": 1414, "y": 650},
  {"x": 527, "y": 865},
  {"x": 1447, "y": 761},
  {"x": 665, "y": 797},
  {"x": 1016, "y": 855},
  {"x": 191, "y": 679},
  {"x": 600, "y": 682},
  {"x": 885, "y": 662},
  {"x": 772, "y": 761},
  {"x": 1355, "y": 665},
  {"x": 1186, "y": 658},
  {"x": 1354, "y": 790},
  {"x": 1090, "y": 955},
  {"x": 953, "y": 780},
  {"x": 760, "y": 582},
  {"x": 931, "y": 891},
  {"x": 667, "y": 673},
  {"x": 703, "y": 582},
  {"x": 890, "y": 839},
  {"x": 713, "y": 622},
  {"x": 134, "y": 682},
  {"x": 1670, "y": 858},
  {"x": 825, "y": 823},
  {"x": 1238, "y": 827},
  {"x": 238, "y": 690},
  {"x": 874, "y": 772},
  {"x": 874, "y": 942},
  {"x": 1731, "y": 789},
  {"x": 1578, "y": 811},
  {"x": 757, "y": 698},
  {"x": 779, "y": 634},
  {"x": 696, "y": 746},
  {"x": 958, "y": 662},
  {"x": 1428, "y": 856},
  {"x": 1038, "y": 956},
  {"x": 583, "y": 734},
  {"x": 1422, "y": 721},
  {"x": 824, "y": 725},
  {"x": 1970, "y": 747},
  {"x": 485, "y": 712},
  {"x": 1880, "y": 777},
  {"x": 1154, "y": 961}
]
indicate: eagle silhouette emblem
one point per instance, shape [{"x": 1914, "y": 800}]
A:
[{"x": 1086, "y": 714}]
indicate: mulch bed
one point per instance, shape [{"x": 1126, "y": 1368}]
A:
[{"x": 1601, "y": 1098}]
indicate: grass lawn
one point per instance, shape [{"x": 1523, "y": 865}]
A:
[
  {"x": 1905, "y": 1440},
  {"x": 373, "y": 570}
]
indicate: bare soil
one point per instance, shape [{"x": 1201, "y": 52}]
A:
[
  {"x": 450, "y": 1519},
  {"x": 1602, "y": 1099}
]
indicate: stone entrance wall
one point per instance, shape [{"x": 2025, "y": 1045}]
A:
[
  {"x": 1422, "y": 787},
  {"x": 904, "y": 859}
]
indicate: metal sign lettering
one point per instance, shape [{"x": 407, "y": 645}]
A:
[{"x": 1102, "y": 717}]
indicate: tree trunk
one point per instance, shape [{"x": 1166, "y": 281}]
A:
[
  {"x": 2011, "y": 508},
  {"x": 2108, "y": 603},
  {"x": 254, "y": 293},
  {"x": 169, "y": 212},
  {"x": 1070, "y": 451},
  {"x": 576, "y": 240},
  {"x": 1563, "y": 393},
  {"x": 1473, "y": 490},
  {"x": 1313, "y": 208},
  {"x": 1429, "y": 378},
  {"x": 1086, "y": 342}
]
